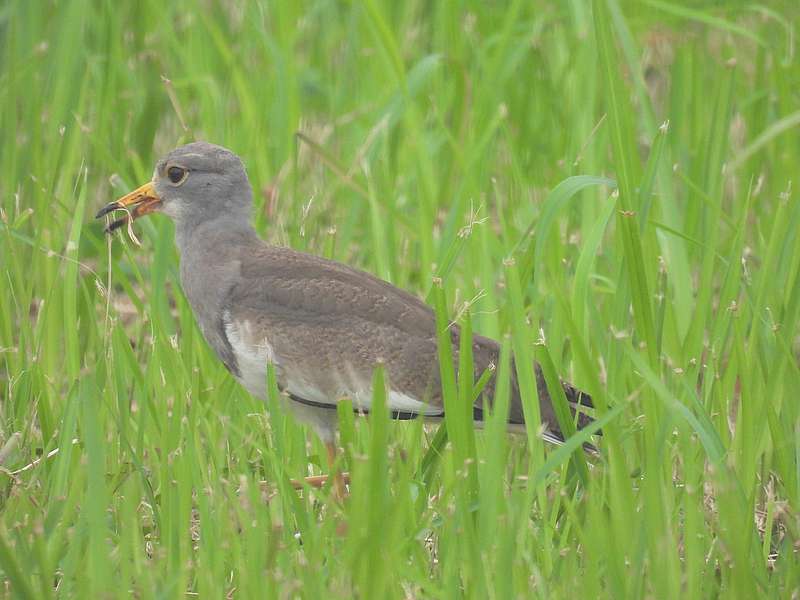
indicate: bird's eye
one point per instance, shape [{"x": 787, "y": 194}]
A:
[{"x": 176, "y": 174}]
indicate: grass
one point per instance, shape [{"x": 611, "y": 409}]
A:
[{"x": 605, "y": 187}]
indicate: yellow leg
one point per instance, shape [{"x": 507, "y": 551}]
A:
[{"x": 340, "y": 480}]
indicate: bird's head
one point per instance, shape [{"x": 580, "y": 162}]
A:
[{"x": 194, "y": 183}]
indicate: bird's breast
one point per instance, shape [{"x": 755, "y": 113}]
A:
[{"x": 252, "y": 352}]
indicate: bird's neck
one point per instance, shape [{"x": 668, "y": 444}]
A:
[
  {"x": 210, "y": 255},
  {"x": 210, "y": 231}
]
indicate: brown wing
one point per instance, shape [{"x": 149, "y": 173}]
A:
[{"x": 329, "y": 325}]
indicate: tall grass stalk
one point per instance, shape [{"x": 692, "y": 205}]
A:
[{"x": 605, "y": 187}]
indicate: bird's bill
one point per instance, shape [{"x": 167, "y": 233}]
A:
[{"x": 139, "y": 202}]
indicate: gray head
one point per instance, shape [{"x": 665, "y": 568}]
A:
[{"x": 193, "y": 184}]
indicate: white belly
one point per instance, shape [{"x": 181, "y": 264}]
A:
[{"x": 254, "y": 352}]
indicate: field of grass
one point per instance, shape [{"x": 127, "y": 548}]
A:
[{"x": 606, "y": 187}]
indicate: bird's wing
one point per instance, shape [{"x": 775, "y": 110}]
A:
[{"x": 326, "y": 326}]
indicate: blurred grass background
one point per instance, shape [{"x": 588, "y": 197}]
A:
[{"x": 606, "y": 187}]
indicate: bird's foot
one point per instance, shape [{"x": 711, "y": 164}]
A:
[{"x": 339, "y": 486}]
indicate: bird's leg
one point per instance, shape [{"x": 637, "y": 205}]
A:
[
  {"x": 340, "y": 480},
  {"x": 315, "y": 481}
]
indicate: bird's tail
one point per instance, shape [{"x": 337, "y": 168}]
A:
[{"x": 578, "y": 402}]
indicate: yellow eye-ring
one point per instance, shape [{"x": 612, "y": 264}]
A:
[{"x": 177, "y": 174}]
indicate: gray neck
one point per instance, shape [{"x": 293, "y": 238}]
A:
[
  {"x": 211, "y": 255},
  {"x": 191, "y": 232}
]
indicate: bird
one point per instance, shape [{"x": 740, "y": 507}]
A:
[{"x": 321, "y": 324}]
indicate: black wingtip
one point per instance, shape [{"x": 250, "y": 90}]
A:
[
  {"x": 577, "y": 397},
  {"x": 584, "y": 399}
]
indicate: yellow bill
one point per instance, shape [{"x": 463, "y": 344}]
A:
[{"x": 139, "y": 202}]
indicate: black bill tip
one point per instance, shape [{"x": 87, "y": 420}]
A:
[
  {"x": 107, "y": 209},
  {"x": 114, "y": 225}
]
